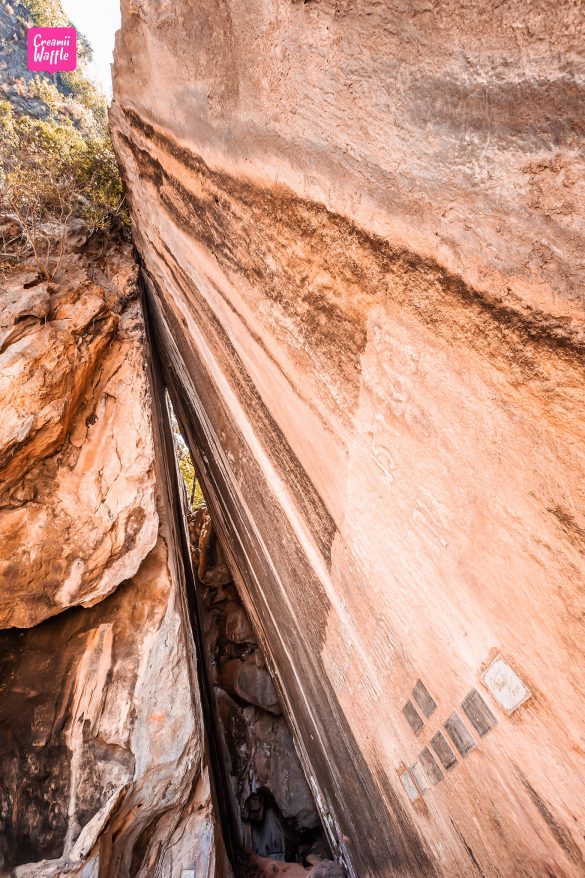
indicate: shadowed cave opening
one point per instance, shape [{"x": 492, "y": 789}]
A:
[
  {"x": 37, "y": 667},
  {"x": 271, "y": 809}
]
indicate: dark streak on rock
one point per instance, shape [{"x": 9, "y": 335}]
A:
[
  {"x": 396, "y": 808},
  {"x": 571, "y": 527},
  {"x": 388, "y": 841},
  {"x": 179, "y": 357},
  {"x": 37, "y": 672},
  {"x": 141, "y": 845},
  {"x": 310, "y": 220},
  {"x": 525, "y": 111},
  {"x": 322, "y": 525},
  {"x": 468, "y": 849},
  {"x": 34, "y": 760},
  {"x": 560, "y": 832}
]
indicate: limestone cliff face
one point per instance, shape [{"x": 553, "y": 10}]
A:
[
  {"x": 102, "y": 759},
  {"x": 361, "y": 225}
]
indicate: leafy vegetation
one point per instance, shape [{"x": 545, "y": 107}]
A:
[
  {"x": 50, "y": 174},
  {"x": 84, "y": 92},
  {"x": 49, "y": 13},
  {"x": 57, "y": 166},
  {"x": 77, "y": 102},
  {"x": 186, "y": 466},
  {"x": 67, "y": 92},
  {"x": 194, "y": 492}
]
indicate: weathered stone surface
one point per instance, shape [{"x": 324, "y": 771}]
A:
[
  {"x": 272, "y": 803},
  {"x": 264, "y": 867},
  {"x": 326, "y": 870},
  {"x": 262, "y": 758},
  {"x": 77, "y": 496},
  {"x": 100, "y": 737},
  {"x": 237, "y": 626},
  {"x": 362, "y": 226},
  {"x": 102, "y": 763},
  {"x": 103, "y": 770},
  {"x": 250, "y": 681}
]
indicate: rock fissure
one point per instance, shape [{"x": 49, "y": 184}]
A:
[
  {"x": 263, "y": 812},
  {"x": 275, "y": 812},
  {"x": 291, "y": 485}
]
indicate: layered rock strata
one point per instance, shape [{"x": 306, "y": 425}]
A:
[{"x": 361, "y": 227}]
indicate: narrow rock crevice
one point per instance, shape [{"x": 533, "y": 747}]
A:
[
  {"x": 291, "y": 475},
  {"x": 269, "y": 808}
]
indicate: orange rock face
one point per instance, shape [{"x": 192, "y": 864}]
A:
[
  {"x": 78, "y": 511},
  {"x": 362, "y": 230},
  {"x": 102, "y": 766}
]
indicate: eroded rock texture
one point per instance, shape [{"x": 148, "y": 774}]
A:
[
  {"x": 98, "y": 729},
  {"x": 102, "y": 759},
  {"x": 274, "y": 810},
  {"x": 77, "y": 508},
  {"x": 361, "y": 225}
]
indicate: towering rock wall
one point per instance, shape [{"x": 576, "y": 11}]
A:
[
  {"x": 361, "y": 225},
  {"x": 102, "y": 758},
  {"x": 111, "y": 741}
]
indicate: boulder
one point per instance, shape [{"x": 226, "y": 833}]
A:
[{"x": 250, "y": 681}]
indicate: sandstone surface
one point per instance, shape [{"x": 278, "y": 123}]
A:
[
  {"x": 103, "y": 759},
  {"x": 103, "y": 769},
  {"x": 77, "y": 483},
  {"x": 101, "y": 744},
  {"x": 362, "y": 231}
]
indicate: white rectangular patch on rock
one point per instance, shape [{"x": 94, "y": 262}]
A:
[
  {"x": 409, "y": 786},
  {"x": 420, "y": 777},
  {"x": 505, "y": 685}
]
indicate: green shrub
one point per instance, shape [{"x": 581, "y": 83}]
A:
[
  {"x": 186, "y": 465},
  {"x": 50, "y": 174},
  {"x": 60, "y": 167},
  {"x": 47, "y": 13},
  {"x": 46, "y": 91},
  {"x": 83, "y": 90},
  {"x": 78, "y": 101},
  {"x": 194, "y": 492}
]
